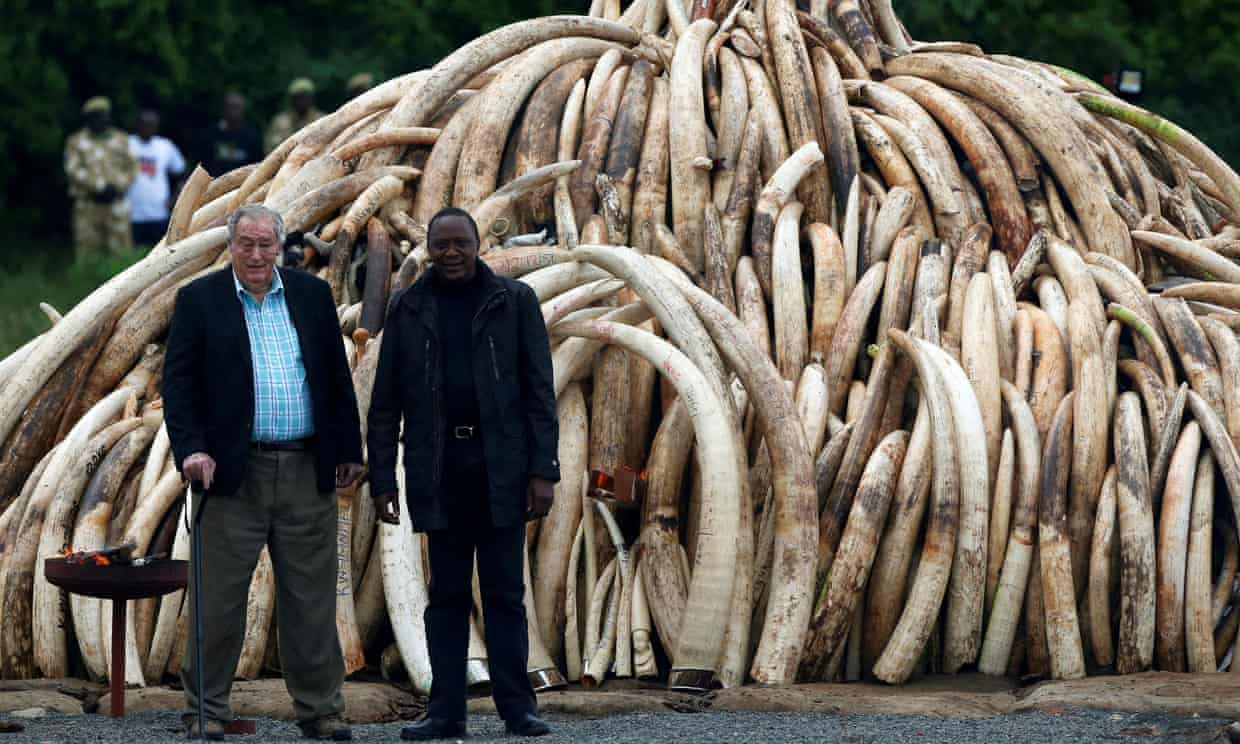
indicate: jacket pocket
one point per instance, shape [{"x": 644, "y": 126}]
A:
[
  {"x": 417, "y": 464},
  {"x": 506, "y": 386}
]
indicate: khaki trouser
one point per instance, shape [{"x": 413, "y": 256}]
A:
[
  {"x": 278, "y": 505},
  {"x": 98, "y": 227}
]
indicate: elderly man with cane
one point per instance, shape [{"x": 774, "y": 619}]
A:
[
  {"x": 466, "y": 361},
  {"x": 261, "y": 414}
]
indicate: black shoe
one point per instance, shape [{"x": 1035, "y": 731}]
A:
[
  {"x": 331, "y": 728},
  {"x": 433, "y": 728},
  {"x": 527, "y": 724}
]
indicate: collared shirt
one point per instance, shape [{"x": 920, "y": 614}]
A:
[{"x": 282, "y": 405}]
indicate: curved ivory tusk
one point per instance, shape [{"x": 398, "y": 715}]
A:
[
  {"x": 697, "y": 654},
  {"x": 502, "y": 200},
  {"x": 895, "y": 665},
  {"x": 404, "y": 586},
  {"x": 796, "y": 527},
  {"x": 59, "y": 489}
]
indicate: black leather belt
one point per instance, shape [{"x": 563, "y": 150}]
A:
[
  {"x": 464, "y": 432},
  {"x": 291, "y": 445}
]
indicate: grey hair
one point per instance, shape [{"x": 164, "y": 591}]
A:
[{"x": 256, "y": 211}]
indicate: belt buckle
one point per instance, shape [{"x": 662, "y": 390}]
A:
[{"x": 463, "y": 432}]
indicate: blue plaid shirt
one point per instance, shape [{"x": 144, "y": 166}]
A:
[{"x": 282, "y": 406}]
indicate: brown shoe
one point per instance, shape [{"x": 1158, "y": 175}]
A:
[
  {"x": 332, "y": 728},
  {"x": 213, "y": 730}
]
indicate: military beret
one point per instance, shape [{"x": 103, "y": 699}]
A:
[
  {"x": 97, "y": 104},
  {"x": 300, "y": 85}
]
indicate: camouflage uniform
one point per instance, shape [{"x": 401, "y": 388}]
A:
[
  {"x": 93, "y": 162},
  {"x": 358, "y": 84},
  {"x": 286, "y": 123}
]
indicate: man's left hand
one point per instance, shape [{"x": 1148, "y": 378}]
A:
[
  {"x": 348, "y": 473},
  {"x": 539, "y": 495}
]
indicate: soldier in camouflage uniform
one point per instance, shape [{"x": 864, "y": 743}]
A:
[
  {"x": 301, "y": 99},
  {"x": 99, "y": 168},
  {"x": 358, "y": 84}
]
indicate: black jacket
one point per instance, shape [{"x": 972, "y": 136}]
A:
[
  {"x": 516, "y": 400},
  {"x": 208, "y": 380}
]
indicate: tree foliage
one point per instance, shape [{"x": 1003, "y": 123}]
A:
[
  {"x": 1186, "y": 49},
  {"x": 183, "y": 55}
]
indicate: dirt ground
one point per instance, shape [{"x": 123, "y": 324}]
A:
[{"x": 958, "y": 697}]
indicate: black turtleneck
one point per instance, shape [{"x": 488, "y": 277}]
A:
[{"x": 458, "y": 303}]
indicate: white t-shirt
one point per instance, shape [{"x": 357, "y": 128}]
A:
[{"x": 148, "y": 196}]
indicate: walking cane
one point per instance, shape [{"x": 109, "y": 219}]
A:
[{"x": 200, "y": 493}]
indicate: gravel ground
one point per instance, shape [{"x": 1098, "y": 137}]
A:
[{"x": 1069, "y": 727}]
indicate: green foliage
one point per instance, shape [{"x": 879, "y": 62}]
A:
[
  {"x": 182, "y": 56},
  {"x": 1187, "y": 49},
  {"x": 42, "y": 276}
]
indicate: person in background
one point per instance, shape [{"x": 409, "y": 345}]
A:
[
  {"x": 99, "y": 168},
  {"x": 160, "y": 169},
  {"x": 301, "y": 112},
  {"x": 233, "y": 141},
  {"x": 358, "y": 84}
]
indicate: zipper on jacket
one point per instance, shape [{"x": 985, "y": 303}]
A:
[
  {"x": 494, "y": 359},
  {"x": 426, "y": 356},
  {"x": 437, "y": 426},
  {"x": 490, "y": 302}
]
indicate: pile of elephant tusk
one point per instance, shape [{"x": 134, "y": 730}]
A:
[{"x": 922, "y": 359}]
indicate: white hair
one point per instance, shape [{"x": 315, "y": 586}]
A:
[{"x": 256, "y": 211}]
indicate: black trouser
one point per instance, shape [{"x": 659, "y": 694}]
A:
[
  {"x": 500, "y": 552},
  {"x": 149, "y": 233}
]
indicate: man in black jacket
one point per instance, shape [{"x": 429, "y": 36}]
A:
[
  {"x": 260, "y": 410},
  {"x": 465, "y": 359}
]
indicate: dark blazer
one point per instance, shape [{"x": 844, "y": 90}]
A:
[
  {"x": 208, "y": 379},
  {"x": 516, "y": 400}
]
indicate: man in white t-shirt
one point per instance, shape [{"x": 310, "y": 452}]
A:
[{"x": 160, "y": 167}]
